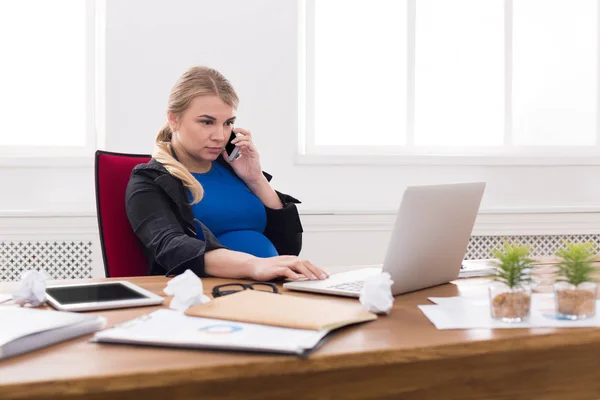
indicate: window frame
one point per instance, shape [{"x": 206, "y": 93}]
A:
[
  {"x": 64, "y": 156},
  {"x": 311, "y": 154}
]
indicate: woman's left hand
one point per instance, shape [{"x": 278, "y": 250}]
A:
[{"x": 247, "y": 165}]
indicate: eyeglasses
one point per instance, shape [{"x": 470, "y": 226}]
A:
[{"x": 230, "y": 288}]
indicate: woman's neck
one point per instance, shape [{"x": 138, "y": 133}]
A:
[{"x": 191, "y": 163}]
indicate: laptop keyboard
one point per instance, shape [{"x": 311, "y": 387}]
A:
[{"x": 355, "y": 286}]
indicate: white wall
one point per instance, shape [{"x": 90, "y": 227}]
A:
[
  {"x": 45, "y": 187},
  {"x": 149, "y": 43},
  {"x": 254, "y": 43}
]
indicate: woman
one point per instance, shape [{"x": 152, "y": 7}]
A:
[{"x": 193, "y": 209}]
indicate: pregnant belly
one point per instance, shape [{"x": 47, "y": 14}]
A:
[{"x": 250, "y": 242}]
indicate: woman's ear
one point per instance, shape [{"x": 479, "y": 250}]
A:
[{"x": 173, "y": 121}]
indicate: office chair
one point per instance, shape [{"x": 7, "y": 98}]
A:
[{"x": 122, "y": 252}]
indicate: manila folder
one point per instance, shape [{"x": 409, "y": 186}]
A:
[{"x": 283, "y": 310}]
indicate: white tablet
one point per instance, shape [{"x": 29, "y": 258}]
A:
[{"x": 100, "y": 296}]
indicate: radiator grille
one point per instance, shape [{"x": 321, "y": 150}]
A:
[
  {"x": 541, "y": 245},
  {"x": 60, "y": 259},
  {"x": 73, "y": 259}
]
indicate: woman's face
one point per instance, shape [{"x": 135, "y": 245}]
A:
[{"x": 203, "y": 129}]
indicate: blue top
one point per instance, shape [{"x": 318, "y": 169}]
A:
[{"x": 235, "y": 215}]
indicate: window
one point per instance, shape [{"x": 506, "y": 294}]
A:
[
  {"x": 47, "y": 77},
  {"x": 452, "y": 77}
]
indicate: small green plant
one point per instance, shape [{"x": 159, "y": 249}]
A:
[
  {"x": 513, "y": 265},
  {"x": 576, "y": 263}
]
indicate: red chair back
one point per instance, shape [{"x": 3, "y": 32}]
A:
[{"x": 122, "y": 252}]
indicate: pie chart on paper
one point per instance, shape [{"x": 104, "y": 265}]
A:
[{"x": 220, "y": 329}]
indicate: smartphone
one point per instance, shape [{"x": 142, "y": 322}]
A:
[{"x": 231, "y": 149}]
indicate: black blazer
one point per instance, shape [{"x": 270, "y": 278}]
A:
[{"x": 162, "y": 218}]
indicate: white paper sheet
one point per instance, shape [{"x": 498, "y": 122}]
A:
[
  {"x": 460, "y": 301},
  {"x": 172, "y": 328},
  {"x": 5, "y": 297},
  {"x": 474, "y": 312}
]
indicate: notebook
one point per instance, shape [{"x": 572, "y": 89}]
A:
[
  {"x": 26, "y": 329},
  {"x": 170, "y": 328},
  {"x": 286, "y": 311}
]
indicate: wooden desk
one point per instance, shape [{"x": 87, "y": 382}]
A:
[{"x": 401, "y": 356}]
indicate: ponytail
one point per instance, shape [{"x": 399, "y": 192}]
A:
[{"x": 162, "y": 154}]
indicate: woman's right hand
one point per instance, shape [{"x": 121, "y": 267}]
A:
[{"x": 265, "y": 269}]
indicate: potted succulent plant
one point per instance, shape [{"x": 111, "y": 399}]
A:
[
  {"x": 575, "y": 289},
  {"x": 510, "y": 294}
]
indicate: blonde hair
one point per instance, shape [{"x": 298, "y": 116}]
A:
[{"x": 196, "y": 81}]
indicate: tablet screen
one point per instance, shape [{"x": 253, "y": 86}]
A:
[{"x": 93, "y": 293}]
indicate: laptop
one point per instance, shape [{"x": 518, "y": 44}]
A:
[{"x": 427, "y": 246}]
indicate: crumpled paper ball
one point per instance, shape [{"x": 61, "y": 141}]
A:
[
  {"x": 186, "y": 290},
  {"x": 376, "y": 294},
  {"x": 31, "y": 288}
]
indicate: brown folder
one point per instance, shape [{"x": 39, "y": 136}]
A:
[{"x": 285, "y": 311}]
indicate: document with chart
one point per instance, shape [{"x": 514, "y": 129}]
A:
[{"x": 174, "y": 329}]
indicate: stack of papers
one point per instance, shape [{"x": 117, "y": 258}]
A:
[
  {"x": 174, "y": 329},
  {"x": 474, "y": 312},
  {"x": 473, "y": 268}
]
